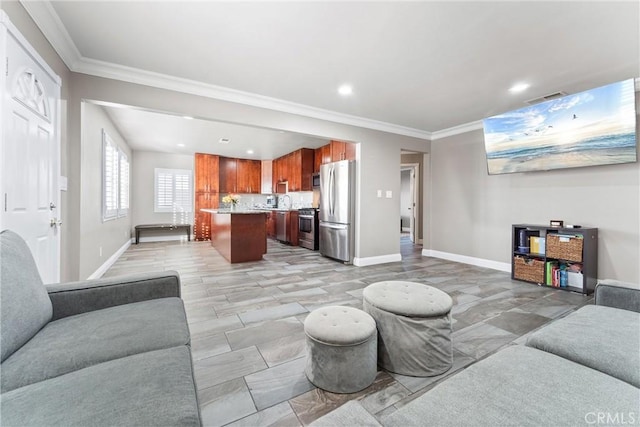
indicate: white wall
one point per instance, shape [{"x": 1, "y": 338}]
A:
[
  {"x": 142, "y": 200},
  {"x": 472, "y": 212},
  {"x": 100, "y": 240},
  {"x": 377, "y": 233}
]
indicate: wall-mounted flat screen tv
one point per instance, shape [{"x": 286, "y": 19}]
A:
[{"x": 596, "y": 127}]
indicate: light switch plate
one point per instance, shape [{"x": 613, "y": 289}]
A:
[
  {"x": 379, "y": 193},
  {"x": 389, "y": 194}
]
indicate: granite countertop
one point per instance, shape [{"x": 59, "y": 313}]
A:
[{"x": 236, "y": 212}]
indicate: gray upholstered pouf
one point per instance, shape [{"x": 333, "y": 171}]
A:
[
  {"x": 341, "y": 349},
  {"x": 414, "y": 327}
]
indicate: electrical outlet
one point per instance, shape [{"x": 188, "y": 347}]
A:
[{"x": 389, "y": 194}]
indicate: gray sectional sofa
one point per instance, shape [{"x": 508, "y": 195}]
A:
[
  {"x": 583, "y": 369},
  {"x": 103, "y": 352}
]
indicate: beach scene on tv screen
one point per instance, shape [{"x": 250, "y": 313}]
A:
[{"x": 595, "y": 127}]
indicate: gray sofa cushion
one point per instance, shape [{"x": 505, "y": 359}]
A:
[
  {"x": 614, "y": 293},
  {"x": 154, "y": 388},
  {"x": 25, "y": 306},
  {"x": 519, "y": 386},
  {"x": 86, "y": 339},
  {"x": 602, "y": 338}
]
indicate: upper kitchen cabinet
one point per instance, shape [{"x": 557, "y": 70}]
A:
[
  {"x": 321, "y": 155},
  {"x": 342, "y": 151},
  {"x": 295, "y": 168},
  {"x": 228, "y": 175},
  {"x": 249, "y": 175},
  {"x": 306, "y": 169},
  {"x": 207, "y": 170}
]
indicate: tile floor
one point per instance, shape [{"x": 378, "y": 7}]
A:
[{"x": 246, "y": 322}]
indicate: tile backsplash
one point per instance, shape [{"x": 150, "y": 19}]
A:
[{"x": 298, "y": 199}]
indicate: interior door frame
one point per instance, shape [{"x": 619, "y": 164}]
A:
[{"x": 414, "y": 193}]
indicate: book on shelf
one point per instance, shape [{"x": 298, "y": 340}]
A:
[
  {"x": 550, "y": 267},
  {"x": 563, "y": 274},
  {"x": 537, "y": 245}
]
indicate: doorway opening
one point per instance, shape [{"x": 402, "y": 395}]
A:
[{"x": 409, "y": 202}]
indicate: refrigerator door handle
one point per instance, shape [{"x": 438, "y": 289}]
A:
[
  {"x": 333, "y": 192},
  {"x": 333, "y": 226}
]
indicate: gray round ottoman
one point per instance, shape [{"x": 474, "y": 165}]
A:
[
  {"x": 341, "y": 349},
  {"x": 414, "y": 327}
]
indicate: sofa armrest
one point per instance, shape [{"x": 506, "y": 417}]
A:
[
  {"x": 73, "y": 298},
  {"x": 617, "y": 294}
]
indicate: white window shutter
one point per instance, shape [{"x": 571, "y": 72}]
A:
[{"x": 173, "y": 190}]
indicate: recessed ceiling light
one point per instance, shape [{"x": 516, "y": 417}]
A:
[
  {"x": 345, "y": 90},
  {"x": 249, "y": 151},
  {"x": 223, "y": 140},
  {"x": 180, "y": 145},
  {"x": 519, "y": 87},
  {"x": 187, "y": 117}
]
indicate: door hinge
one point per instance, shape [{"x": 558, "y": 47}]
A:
[
  {"x": 5, "y": 202},
  {"x": 6, "y": 66}
]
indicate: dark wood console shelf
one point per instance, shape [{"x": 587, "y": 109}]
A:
[{"x": 565, "y": 258}]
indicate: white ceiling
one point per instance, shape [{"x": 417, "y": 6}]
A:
[
  {"x": 416, "y": 67},
  {"x": 154, "y": 131}
]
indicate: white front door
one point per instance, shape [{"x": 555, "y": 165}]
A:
[{"x": 30, "y": 152}]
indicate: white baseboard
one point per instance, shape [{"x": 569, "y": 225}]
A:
[
  {"x": 480, "y": 262},
  {"x": 373, "y": 260},
  {"x": 108, "y": 263}
]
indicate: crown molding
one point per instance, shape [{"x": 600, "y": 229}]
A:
[
  {"x": 456, "y": 130},
  {"x": 54, "y": 30},
  {"x": 148, "y": 78}
]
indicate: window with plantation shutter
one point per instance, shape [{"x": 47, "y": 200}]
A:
[
  {"x": 173, "y": 190},
  {"x": 109, "y": 178},
  {"x": 115, "y": 180},
  {"x": 123, "y": 200}
]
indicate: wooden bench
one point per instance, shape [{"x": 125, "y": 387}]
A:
[{"x": 163, "y": 227}]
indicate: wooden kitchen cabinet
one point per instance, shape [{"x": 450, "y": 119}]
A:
[
  {"x": 206, "y": 173},
  {"x": 278, "y": 168},
  {"x": 320, "y": 156},
  {"x": 342, "y": 151},
  {"x": 202, "y": 220},
  {"x": 296, "y": 168},
  {"x": 249, "y": 176},
  {"x": 228, "y": 175},
  {"x": 271, "y": 225},
  {"x": 295, "y": 177},
  {"x": 333, "y": 152},
  {"x": 207, "y": 169}
]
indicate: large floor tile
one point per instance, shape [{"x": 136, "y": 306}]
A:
[
  {"x": 226, "y": 402},
  {"x": 246, "y": 323},
  {"x": 278, "y": 384},
  {"x": 227, "y": 366}
]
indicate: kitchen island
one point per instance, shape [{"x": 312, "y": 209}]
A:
[{"x": 239, "y": 236}]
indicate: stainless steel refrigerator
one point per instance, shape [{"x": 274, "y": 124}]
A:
[{"x": 337, "y": 188}]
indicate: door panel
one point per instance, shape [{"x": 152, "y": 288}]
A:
[
  {"x": 29, "y": 144},
  {"x": 334, "y": 241}
]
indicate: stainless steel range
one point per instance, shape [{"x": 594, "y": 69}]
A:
[{"x": 308, "y": 228}]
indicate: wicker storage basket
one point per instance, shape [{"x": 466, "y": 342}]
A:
[
  {"x": 564, "y": 247},
  {"x": 529, "y": 269}
]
